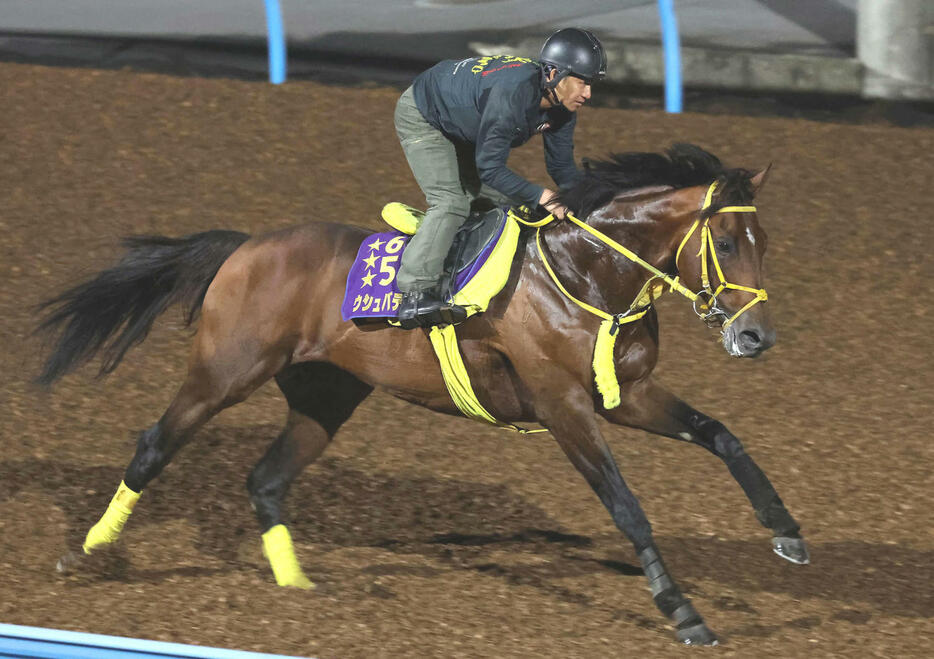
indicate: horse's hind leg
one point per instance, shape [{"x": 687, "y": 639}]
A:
[
  {"x": 211, "y": 385},
  {"x": 321, "y": 397}
]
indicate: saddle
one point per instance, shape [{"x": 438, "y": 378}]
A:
[
  {"x": 470, "y": 241},
  {"x": 476, "y": 267}
]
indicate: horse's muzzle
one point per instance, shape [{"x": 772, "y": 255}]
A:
[{"x": 748, "y": 341}]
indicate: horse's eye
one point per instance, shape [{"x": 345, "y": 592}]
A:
[{"x": 723, "y": 246}]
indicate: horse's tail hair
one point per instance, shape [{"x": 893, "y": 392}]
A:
[{"x": 115, "y": 310}]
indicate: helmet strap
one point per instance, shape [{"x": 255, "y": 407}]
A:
[
  {"x": 549, "y": 85},
  {"x": 552, "y": 96}
]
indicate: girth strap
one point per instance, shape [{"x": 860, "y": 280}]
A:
[{"x": 444, "y": 341}]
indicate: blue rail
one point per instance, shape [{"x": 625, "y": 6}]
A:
[
  {"x": 671, "y": 44},
  {"x": 19, "y": 641},
  {"x": 276, "y": 39}
]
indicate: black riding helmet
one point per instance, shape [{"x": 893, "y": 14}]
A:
[{"x": 575, "y": 52}]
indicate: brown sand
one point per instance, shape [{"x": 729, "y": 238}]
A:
[{"x": 432, "y": 536}]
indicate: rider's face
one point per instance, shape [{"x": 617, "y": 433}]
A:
[{"x": 572, "y": 92}]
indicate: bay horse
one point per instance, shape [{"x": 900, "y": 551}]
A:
[{"x": 269, "y": 307}]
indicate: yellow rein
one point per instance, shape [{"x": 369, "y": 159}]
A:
[{"x": 643, "y": 300}]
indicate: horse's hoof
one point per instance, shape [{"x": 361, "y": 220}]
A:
[
  {"x": 698, "y": 634},
  {"x": 791, "y": 549},
  {"x": 67, "y": 562}
]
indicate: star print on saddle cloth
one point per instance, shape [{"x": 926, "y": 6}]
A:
[{"x": 371, "y": 290}]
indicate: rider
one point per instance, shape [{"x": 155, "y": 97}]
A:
[{"x": 457, "y": 123}]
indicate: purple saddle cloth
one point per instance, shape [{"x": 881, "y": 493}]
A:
[{"x": 371, "y": 290}]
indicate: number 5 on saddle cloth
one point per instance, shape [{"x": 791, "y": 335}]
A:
[{"x": 475, "y": 270}]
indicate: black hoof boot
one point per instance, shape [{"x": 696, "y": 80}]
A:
[
  {"x": 791, "y": 549},
  {"x": 427, "y": 309}
]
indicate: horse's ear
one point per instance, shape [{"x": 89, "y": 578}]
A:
[{"x": 758, "y": 180}]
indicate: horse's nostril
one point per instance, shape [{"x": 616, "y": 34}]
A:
[{"x": 749, "y": 339}]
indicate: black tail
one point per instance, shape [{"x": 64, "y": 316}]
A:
[{"x": 155, "y": 273}]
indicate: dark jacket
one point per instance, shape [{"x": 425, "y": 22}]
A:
[{"x": 493, "y": 103}]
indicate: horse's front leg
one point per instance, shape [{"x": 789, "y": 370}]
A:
[
  {"x": 649, "y": 406},
  {"x": 572, "y": 422}
]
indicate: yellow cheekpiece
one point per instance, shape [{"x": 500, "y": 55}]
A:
[
  {"x": 108, "y": 528},
  {"x": 277, "y": 545}
]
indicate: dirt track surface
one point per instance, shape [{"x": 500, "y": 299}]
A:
[{"x": 432, "y": 536}]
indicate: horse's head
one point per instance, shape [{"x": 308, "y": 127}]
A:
[
  {"x": 721, "y": 257},
  {"x": 710, "y": 229}
]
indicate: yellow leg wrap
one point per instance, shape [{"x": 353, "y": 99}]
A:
[
  {"x": 108, "y": 528},
  {"x": 277, "y": 545}
]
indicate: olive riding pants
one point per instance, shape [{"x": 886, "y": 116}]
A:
[{"x": 447, "y": 174}]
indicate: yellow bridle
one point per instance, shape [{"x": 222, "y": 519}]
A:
[
  {"x": 706, "y": 309},
  {"x": 709, "y": 307}
]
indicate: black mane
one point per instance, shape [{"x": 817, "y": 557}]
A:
[{"x": 681, "y": 166}]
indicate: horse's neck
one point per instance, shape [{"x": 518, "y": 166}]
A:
[{"x": 599, "y": 275}]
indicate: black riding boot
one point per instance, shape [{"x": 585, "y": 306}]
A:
[{"x": 426, "y": 309}]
